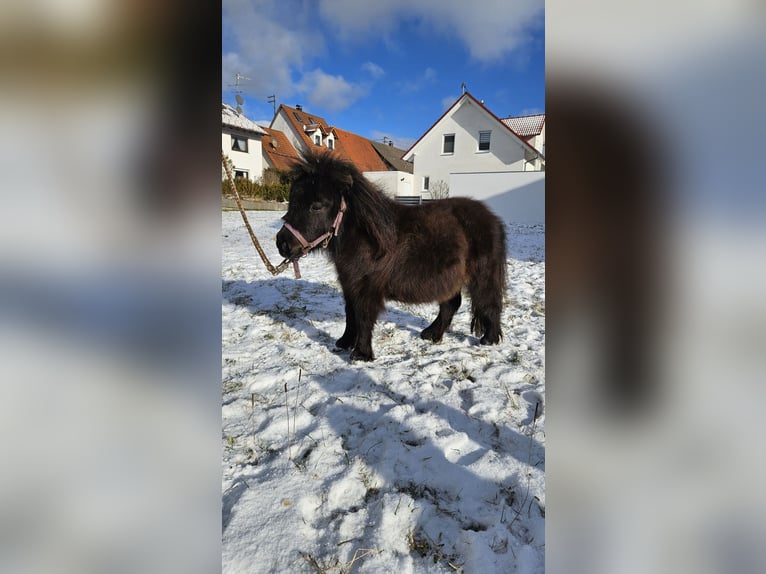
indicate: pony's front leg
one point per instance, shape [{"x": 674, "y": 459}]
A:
[
  {"x": 348, "y": 339},
  {"x": 367, "y": 310}
]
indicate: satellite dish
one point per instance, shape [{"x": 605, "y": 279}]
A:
[
  {"x": 239, "y": 99},
  {"x": 274, "y": 143},
  {"x": 239, "y": 109}
]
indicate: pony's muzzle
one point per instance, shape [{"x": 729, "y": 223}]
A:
[{"x": 287, "y": 245}]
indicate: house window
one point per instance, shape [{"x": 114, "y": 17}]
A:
[
  {"x": 298, "y": 117},
  {"x": 449, "y": 143},
  {"x": 239, "y": 144},
  {"x": 426, "y": 182},
  {"x": 331, "y": 143},
  {"x": 240, "y": 174},
  {"x": 317, "y": 139},
  {"x": 484, "y": 140}
]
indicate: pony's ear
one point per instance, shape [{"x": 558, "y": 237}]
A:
[{"x": 346, "y": 180}]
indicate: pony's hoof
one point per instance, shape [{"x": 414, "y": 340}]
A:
[
  {"x": 485, "y": 340},
  {"x": 357, "y": 355},
  {"x": 430, "y": 335},
  {"x": 344, "y": 344}
]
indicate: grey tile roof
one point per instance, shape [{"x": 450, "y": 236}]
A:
[
  {"x": 526, "y": 126},
  {"x": 392, "y": 156}
]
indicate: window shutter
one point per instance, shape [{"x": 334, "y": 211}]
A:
[{"x": 484, "y": 140}]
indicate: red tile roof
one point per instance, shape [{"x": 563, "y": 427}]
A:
[
  {"x": 351, "y": 147},
  {"x": 278, "y": 149},
  {"x": 359, "y": 151}
]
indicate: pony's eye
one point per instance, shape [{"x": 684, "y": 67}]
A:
[{"x": 316, "y": 207}]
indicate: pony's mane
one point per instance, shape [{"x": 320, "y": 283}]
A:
[{"x": 368, "y": 206}]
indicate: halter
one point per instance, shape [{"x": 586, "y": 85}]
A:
[{"x": 324, "y": 238}]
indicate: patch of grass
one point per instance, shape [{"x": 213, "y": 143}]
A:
[
  {"x": 421, "y": 544},
  {"x": 459, "y": 372},
  {"x": 387, "y": 333},
  {"x": 333, "y": 565},
  {"x": 322, "y": 566},
  {"x": 230, "y": 386}
]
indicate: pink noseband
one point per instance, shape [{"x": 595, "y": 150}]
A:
[{"x": 325, "y": 237}]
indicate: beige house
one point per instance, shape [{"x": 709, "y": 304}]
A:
[{"x": 241, "y": 142}]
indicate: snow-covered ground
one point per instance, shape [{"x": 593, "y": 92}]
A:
[{"x": 429, "y": 459}]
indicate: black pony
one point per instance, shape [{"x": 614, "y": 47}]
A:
[{"x": 383, "y": 250}]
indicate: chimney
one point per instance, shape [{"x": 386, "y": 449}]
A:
[
  {"x": 299, "y": 107},
  {"x": 390, "y": 143}
]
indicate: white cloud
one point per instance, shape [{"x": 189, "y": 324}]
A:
[
  {"x": 267, "y": 43},
  {"x": 272, "y": 42},
  {"x": 402, "y": 142},
  {"x": 330, "y": 92},
  {"x": 495, "y": 30},
  {"x": 423, "y": 80},
  {"x": 373, "y": 69},
  {"x": 447, "y": 102}
]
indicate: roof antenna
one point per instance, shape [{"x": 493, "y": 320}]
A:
[
  {"x": 273, "y": 101},
  {"x": 463, "y": 87},
  {"x": 237, "y": 91}
]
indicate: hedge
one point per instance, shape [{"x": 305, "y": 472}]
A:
[{"x": 273, "y": 186}]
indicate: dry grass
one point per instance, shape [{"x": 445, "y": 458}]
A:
[{"x": 333, "y": 565}]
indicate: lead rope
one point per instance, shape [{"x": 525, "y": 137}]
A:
[{"x": 273, "y": 270}]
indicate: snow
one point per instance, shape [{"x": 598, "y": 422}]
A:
[{"x": 429, "y": 459}]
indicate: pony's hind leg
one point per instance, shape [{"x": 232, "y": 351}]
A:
[
  {"x": 447, "y": 310},
  {"x": 487, "y": 326},
  {"x": 486, "y": 310}
]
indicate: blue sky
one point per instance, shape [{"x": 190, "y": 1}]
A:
[{"x": 384, "y": 67}]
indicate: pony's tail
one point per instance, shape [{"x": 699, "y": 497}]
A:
[{"x": 487, "y": 288}]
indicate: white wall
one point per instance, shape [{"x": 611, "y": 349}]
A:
[
  {"x": 252, "y": 161},
  {"x": 517, "y": 197},
  {"x": 393, "y": 183},
  {"x": 286, "y": 127}
]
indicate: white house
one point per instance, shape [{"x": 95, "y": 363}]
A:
[
  {"x": 468, "y": 138},
  {"x": 241, "y": 142},
  {"x": 303, "y": 130}
]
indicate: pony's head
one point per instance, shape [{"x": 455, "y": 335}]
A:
[{"x": 319, "y": 183}]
